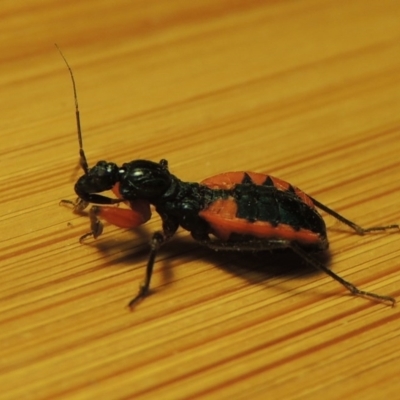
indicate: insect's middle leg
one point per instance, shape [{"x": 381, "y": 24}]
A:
[
  {"x": 170, "y": 226},
  {"x": 157, "y": 241}
]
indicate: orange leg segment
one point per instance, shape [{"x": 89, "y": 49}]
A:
[{"x": 125, "y": 217}]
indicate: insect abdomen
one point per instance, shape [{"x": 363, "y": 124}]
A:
[{"x": 268, "y": 208}]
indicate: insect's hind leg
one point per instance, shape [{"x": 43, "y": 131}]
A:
[
  {"x": 349, "y": 286},
  {"x": 359, "y": 229}
]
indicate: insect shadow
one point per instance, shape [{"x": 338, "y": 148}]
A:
[{"x": 255, "y": 268}]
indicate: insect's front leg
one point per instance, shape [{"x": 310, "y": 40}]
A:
[
  {"x": 127, "y": 218},
  {"x": 96, "y": 226},
  {"x": 79, "y": 205},
  {"x": 170, "y": 226}
]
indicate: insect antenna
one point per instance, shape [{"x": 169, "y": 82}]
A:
[{"x": 82, "y": 157}]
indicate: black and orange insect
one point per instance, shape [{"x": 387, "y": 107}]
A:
[{"x": 232, "y": 211}]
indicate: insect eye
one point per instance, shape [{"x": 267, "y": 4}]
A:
[{"x": 102, "y": 176}]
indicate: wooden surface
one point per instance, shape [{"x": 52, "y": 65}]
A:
[{"x": 308, "y": 91}]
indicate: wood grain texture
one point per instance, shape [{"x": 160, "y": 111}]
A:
[{"x": 308, "y": 91}]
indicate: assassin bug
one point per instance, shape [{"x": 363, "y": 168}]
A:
[{"x": 241, "y": 211}]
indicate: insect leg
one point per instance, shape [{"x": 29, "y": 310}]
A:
[
  {"x": 360, "y": 230},
  {"x": 96, "y": 227},
  {"x": 156, "y": 242},
  {"x": 78, "y": 205},
  {"x": 349, "y": 286},
  {"x": 170, "y": 226}
]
